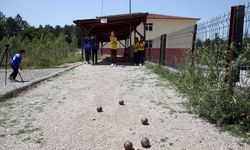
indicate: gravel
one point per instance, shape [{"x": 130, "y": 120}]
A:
[
  {"x": 60, "y": 113},
  {"x": 30, "y": 77}
]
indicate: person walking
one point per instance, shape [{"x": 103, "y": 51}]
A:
[
  {"x": 95, "y": 48},
  {"x": 15, "y": 64},
  {"x": 87, "y": 49},
  {"x": 141, "y": 51},
  {"x": 113, "y": 48},
  {"x": 135, "y": 48}
]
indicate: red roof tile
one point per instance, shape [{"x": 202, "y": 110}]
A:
[{"x": 159, "y": 16}]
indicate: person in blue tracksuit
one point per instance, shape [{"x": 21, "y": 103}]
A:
[
  {"x": 15, "y": 64},
  {"x": 95, "y": 48},
  {"x": 87, "y": 49}
]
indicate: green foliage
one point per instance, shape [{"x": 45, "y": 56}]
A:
[
  {"x": 46, "y": 46},
  {"x": 43, "y": 52},
  {"x": 209, "y": 95}
]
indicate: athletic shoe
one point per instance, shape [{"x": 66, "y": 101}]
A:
[
  {"x": 140, "y": 64},
  {"x": 112, "y": 65}
]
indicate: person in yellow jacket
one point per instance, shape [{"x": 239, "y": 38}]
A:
[
  {"x": 135, "y": 48},
  {"x": 113, "y": 48},
  {"x": 141, "y": 51}
]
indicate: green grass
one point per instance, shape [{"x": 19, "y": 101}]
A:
[
  {"x": 39, "y": 141},
  {"x": 210, "y": 98}
]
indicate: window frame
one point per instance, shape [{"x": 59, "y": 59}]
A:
[
  {"x": 148, "y": 44},
  {"x": 149, "y": 26}
]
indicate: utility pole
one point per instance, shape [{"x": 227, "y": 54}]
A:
[{"x": 130, "y": 6}]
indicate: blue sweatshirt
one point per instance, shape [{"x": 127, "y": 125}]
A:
[{"x": 14, "y": 63}]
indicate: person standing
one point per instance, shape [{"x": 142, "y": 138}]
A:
[
  {"x": 87, "y": 49},
  {"x": 95, "y": 48},
  {"x": 113, "y": 48},
  {"x": 135, "y": 47},
  {"x": 15, "y": 64},
  {"x": 141, "y": 51}
]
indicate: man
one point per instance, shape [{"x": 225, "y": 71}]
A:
[
  {"x": 15, "y": 64},
  {"x": 87, "y": 48},
  {"x": 95, "y": 47}
]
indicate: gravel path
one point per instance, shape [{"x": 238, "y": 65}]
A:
[
  {"x": 29, "y": 76},
  {"x": 60, "y": 113}
]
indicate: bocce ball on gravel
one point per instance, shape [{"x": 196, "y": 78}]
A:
[
  {"x": 128, "y": 145},
  {"x": 99, "y": 109},
  {"x": 144, "y": 121},
  {"x": 145, "y": 142}
]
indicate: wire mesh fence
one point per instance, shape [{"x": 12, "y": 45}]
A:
[
  {"x": 216, "y": 37},
  {"x": 153, "y": 48},
  {"x": 214, "y": 28},
  {"x": 177, "y": 50}
]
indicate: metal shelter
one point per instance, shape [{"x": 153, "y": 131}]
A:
[{"x": 123, "y": 25}]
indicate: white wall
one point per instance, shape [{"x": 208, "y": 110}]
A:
[{"x": 161, "y": 26}]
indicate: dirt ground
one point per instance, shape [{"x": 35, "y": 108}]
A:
[{"x": 60, "y": 113}]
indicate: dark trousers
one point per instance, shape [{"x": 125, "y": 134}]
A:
[
  {"x": 87, "y": 53},
  {"x": 94, "y": 56},
  {"x": 136, "y": 57},
  {"x": 141, "y": 57},
  {"x": 14, "y": 73},
  {"x": 113, "y": 55}
]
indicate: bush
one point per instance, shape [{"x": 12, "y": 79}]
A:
[
  {"x": 44, "y": 51},
  {"x": 209, "y": 95}
]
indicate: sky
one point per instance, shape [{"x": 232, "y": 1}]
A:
[{"x": 61, "y": 12}]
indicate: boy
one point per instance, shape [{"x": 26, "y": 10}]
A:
[
  {"x": 95, "y": 47},
  {"x": 141, "y": 51},
  {"x": 15, "y": 64},
  {"x": 135, "y": 47},
  {"x": 87, "y": 48}
]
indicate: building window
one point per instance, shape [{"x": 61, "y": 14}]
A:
[
  {"x": 149, "y": 44},
  {"x": 149, "y": 26}
]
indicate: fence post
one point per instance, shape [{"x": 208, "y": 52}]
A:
[
  {"x": 164, "y": 40},
  {"x": 193, "y": 44},
  {"x": 235, "y": 41},
  {"x": 160, "y": 57}
]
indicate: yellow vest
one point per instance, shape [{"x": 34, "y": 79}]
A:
[
  {"x": 113, "y": 42},
  {"x": 141, "y": 46},
  {"x": 136, "y": 46}
]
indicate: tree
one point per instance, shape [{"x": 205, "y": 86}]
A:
[
  {"x": 68, "y": 31},
  {"x": 11, "y": 26},
  {"x": 21, "y": 24},
  {"x": 29, "y": 32},
  {"x": 2, "y": 29},
  {"x": 57, "y": 30},
  {"x": 2, "y": 16}
]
